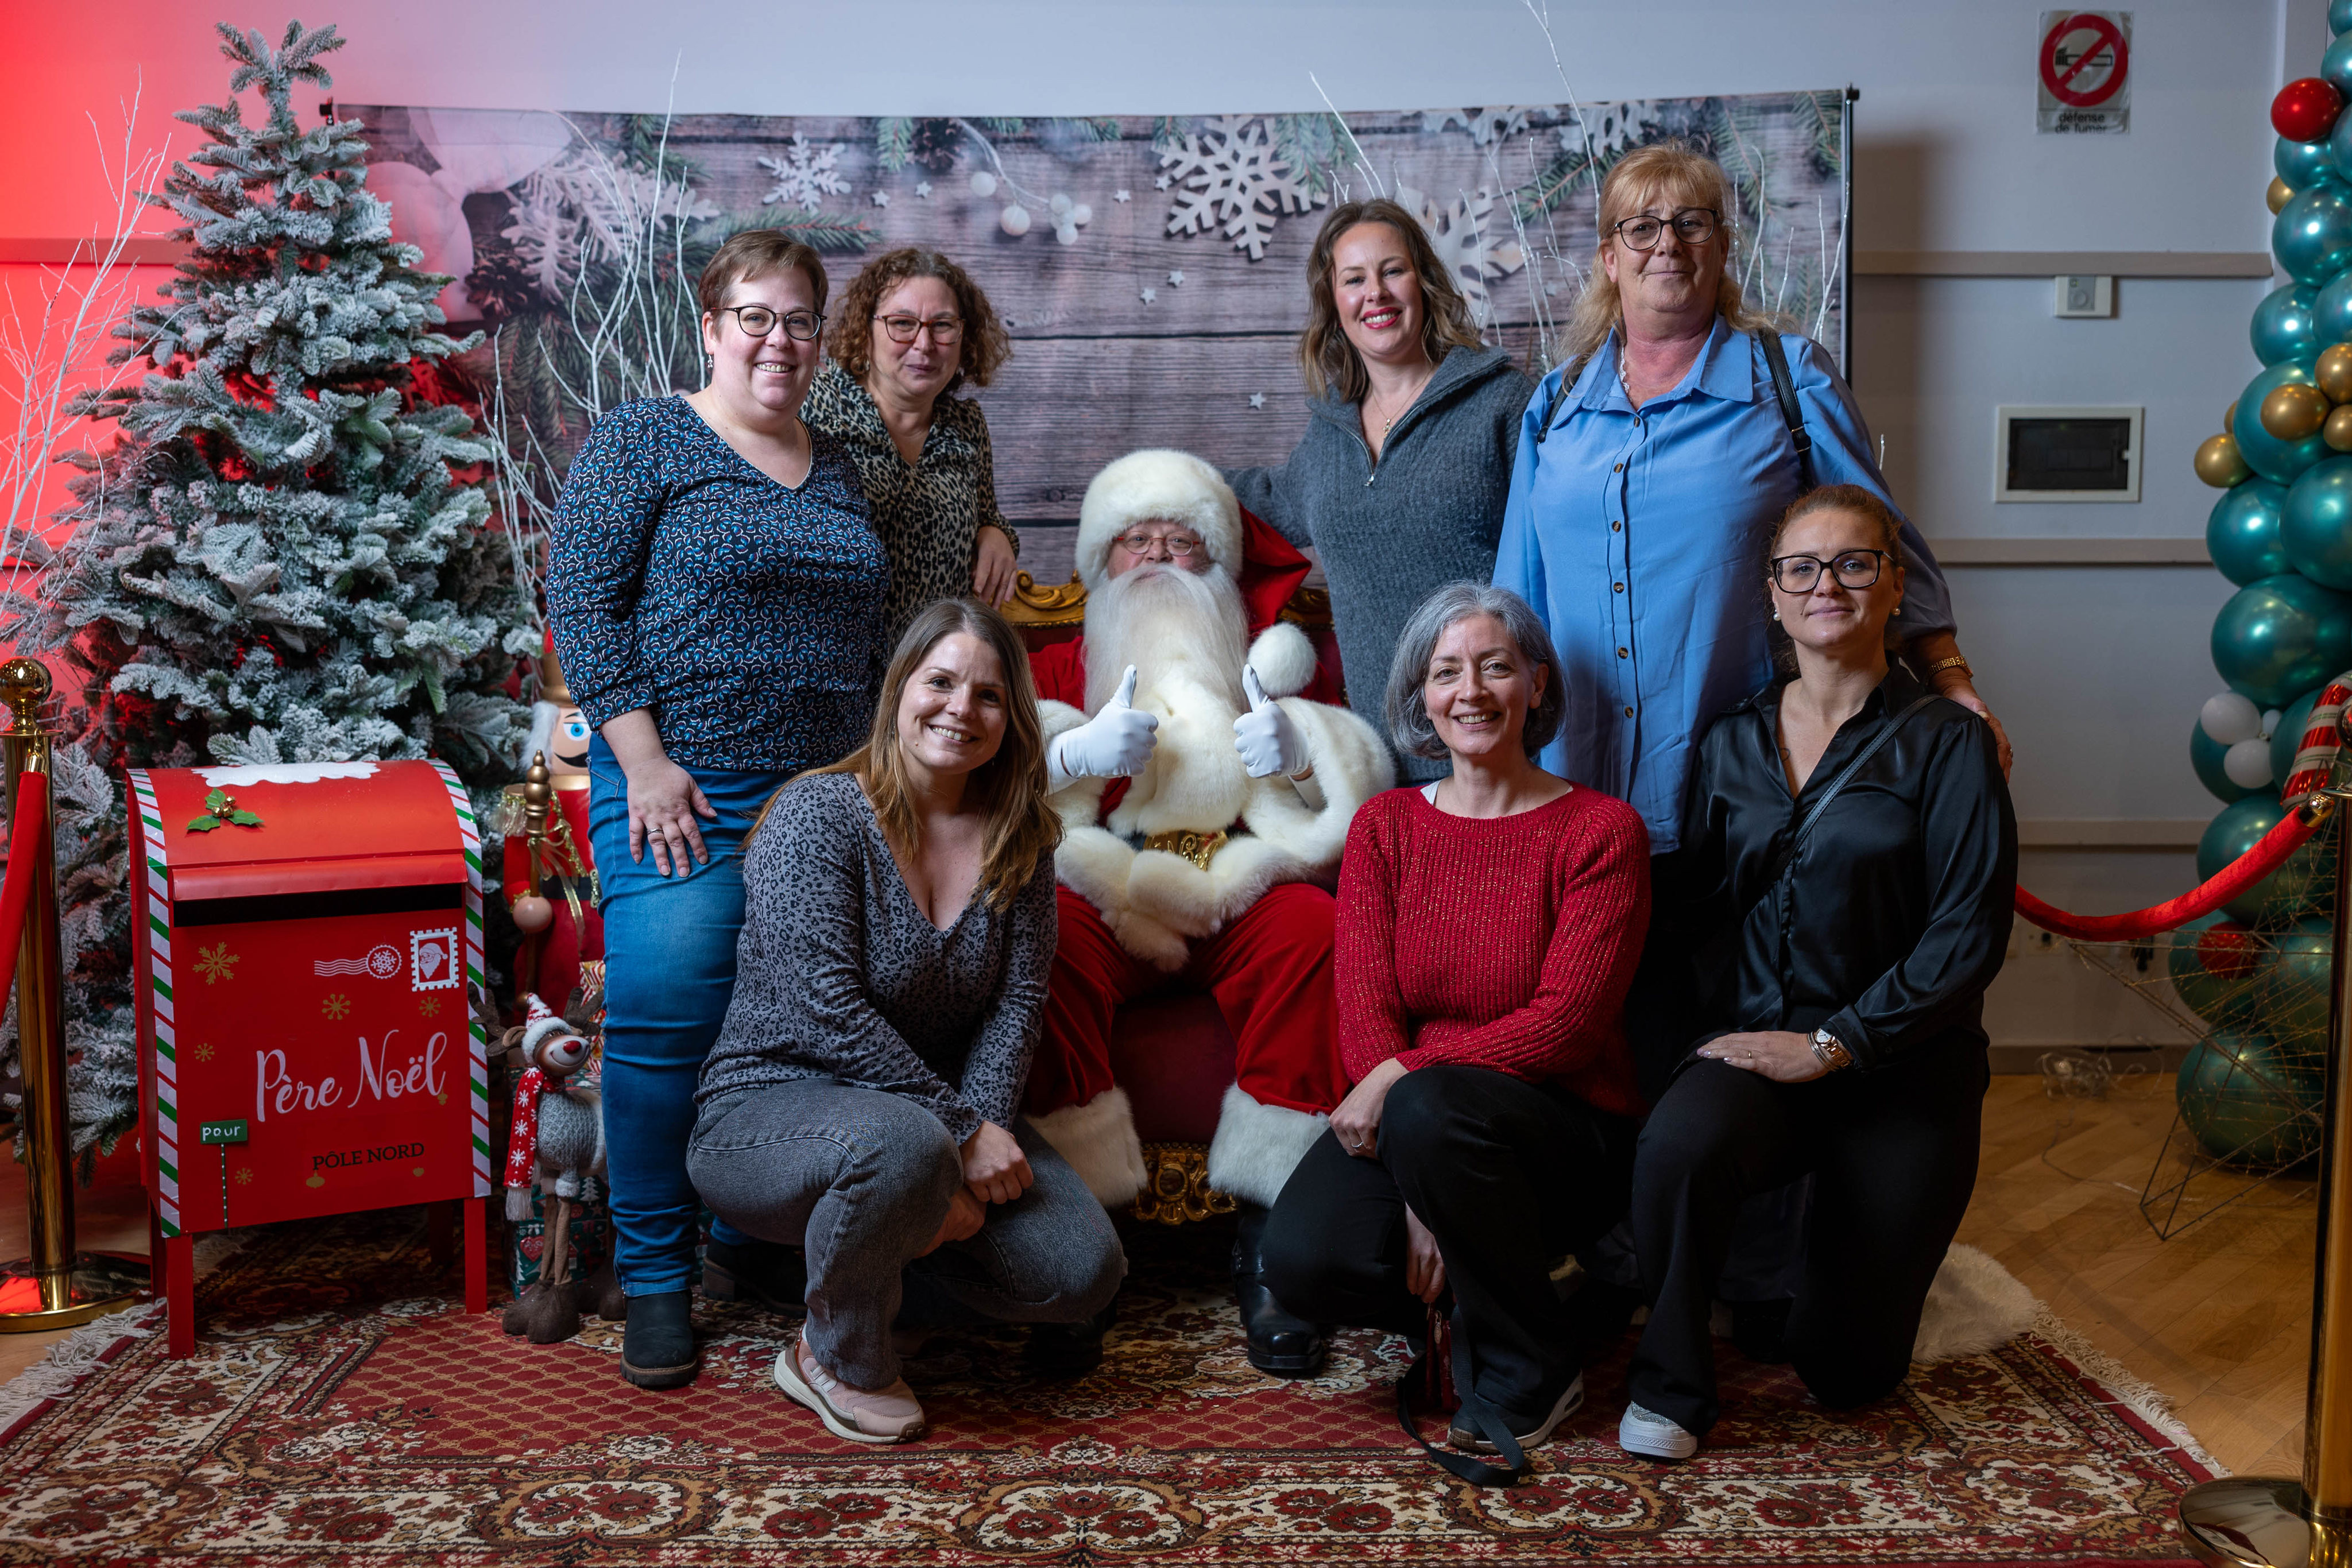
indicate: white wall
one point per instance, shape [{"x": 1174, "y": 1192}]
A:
[{"x": 2098, "y": 672}]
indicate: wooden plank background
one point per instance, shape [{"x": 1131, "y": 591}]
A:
[{"x": 1098, "y": 367}]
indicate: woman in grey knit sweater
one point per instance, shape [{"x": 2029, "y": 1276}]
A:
[
  {"x": 1400, "y": 481},
  {"x": 862, "y": 1098}
]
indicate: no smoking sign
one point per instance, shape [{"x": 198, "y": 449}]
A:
[{"x": 2082, "y": 71}]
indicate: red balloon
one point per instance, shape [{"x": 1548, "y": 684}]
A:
[
  {"x": 2305, "y": 111},
  {"x": 2228, "y": 949}
]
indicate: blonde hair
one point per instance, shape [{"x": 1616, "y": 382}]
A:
[
  {"x": 1326, "y": 358},
  {"x": 1011, "y": 786},
  {"x": 1690, "y": 179}
]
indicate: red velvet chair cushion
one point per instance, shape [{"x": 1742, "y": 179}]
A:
[{"x": 1174, "y": 1056}]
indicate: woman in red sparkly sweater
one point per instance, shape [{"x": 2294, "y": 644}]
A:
[{"x": 1488, "y": 926}]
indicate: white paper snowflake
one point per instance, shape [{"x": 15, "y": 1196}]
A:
[
  {"x": 1485, "y": 125},
  {"x": 1473, "y": 241},
  {"x": 585, "y": 203},
  {"x": 805, "y": 174},
  {"x": 1232, "y": 176},
  {"x": 1614, "y": 127}
]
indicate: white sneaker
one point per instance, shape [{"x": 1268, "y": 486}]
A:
[
  {"x": 1571, "y": 1400},
  {"x": 1652, "y": 1435}
]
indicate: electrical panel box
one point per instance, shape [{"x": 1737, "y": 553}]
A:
[{"x": 2066, "y": 454}]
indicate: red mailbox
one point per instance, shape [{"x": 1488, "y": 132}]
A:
[{"x": 309, "y": 937}]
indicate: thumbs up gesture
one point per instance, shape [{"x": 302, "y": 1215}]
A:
[
  {"x": 1116, "y": 743},
  {"x": 1269, "y": 743}
]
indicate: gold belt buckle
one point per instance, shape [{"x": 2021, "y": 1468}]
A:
[{"x": 1197, "y": 848}]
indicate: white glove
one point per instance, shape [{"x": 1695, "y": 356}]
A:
[
  {"x": 1116, "y": 743},
  {"x": 1269, "y": 743}
]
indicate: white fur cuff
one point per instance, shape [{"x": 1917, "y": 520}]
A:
[
  {"x": 1256, "y": 1147},
  {"x": 1099, "y": 1141}
]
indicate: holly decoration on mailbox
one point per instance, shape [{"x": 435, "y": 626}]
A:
[{"x": 221, "y": 810}]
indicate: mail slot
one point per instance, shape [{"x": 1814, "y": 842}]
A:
[{"x": 309, "y": 937}]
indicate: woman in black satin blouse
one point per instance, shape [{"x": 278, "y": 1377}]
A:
[{"x": 1846, "y": 1036}]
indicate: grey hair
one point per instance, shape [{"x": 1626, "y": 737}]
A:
[{"x": 1409, "y": 724}]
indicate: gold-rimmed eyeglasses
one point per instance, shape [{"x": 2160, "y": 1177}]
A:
[
  {"x": 1853, "y": 568},
  {"x": 944, "y": 330},
  {"x": 758, "y": 321},
  {"x": 1177, "y": 546},
  {"x": 1693, "y": 225}
]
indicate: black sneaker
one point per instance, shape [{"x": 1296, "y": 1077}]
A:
[
  {"x": 765, "y": 1273},
  {"x": 658, "y": 1349}
]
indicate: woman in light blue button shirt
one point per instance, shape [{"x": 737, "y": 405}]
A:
[{"x": 1645, "y": 490}]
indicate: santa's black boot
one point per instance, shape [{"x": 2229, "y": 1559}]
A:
[{"x": 1279, "y": 1342}]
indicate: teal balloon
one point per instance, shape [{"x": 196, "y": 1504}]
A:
[
  {"x": 2336, "y": 64},
  {"x": 2331, "y": 310},
  {"x": 2287, "y": 892},
  {"x": 2302, "y": 163},
  {"x": 2311, "y": 235},
  {"x": 2339, "y": 155},
  {"x": 2290, "y": 995},
  {"x": 2287, "y": 738},
  {"x": 2275, "y": 460},
  {"x": 2242, "y": 532},
  {"x": 2339, "y": 15},
  {"x": 2316, "y": 523},
  {"x": 2213, "y": 974},
  {"x": 2286, "y": 325},
  {"x": 2249, "y": 1102},
  {"x": 2205, "y": 755},
  {"x": 2280, "y": 636}
]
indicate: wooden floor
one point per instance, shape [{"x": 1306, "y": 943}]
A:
[{"x": 2218, "y": 1318}]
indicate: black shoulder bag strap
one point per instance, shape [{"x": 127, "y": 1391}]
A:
[
  {"x": 1822, "y": 802},
  {"x": 1427, "y": 1376},
  {"x": 1776, "y": 360}
]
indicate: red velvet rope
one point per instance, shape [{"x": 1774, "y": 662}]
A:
[
  {"x": 2232, "y": 880},
  {"x": 28, "y": 847}
]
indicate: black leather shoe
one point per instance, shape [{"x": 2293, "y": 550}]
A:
[
  {"x": 1279, "y": 1342},
  {"x": 1064, "y": 1352},
  {"x": 658, "y": 1347},
  {"x": 765, "y": 1273}
]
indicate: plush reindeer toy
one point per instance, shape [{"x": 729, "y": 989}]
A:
[{"x": 558, "y": 1141}]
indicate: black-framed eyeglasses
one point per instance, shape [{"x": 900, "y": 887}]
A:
[
  {"x": 1693, "y": 225},
  {"x": 944, "y": 330},
  {"x": 758, "y": 321},
  {"x": 1852, "y": 568}
]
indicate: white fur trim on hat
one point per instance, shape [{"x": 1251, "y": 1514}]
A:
[
  {"x": 1163, "y": 483},
  {"x": 1284, "y": 660},
  {"x": 539, "y": 1022}
]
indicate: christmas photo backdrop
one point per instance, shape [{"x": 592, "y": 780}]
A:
[{"x": 1151, "y": 269}]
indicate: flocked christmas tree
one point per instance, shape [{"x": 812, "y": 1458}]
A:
[{"x": 274, "y": 562}]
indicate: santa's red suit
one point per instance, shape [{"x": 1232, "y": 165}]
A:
[{"x": 1148, "y": 889}]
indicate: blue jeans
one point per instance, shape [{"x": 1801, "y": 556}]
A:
[{"x": 669, "y": 972}]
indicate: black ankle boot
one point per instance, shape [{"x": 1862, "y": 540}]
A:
[
  {"x": 1065, "y": 1351},
  {"x": 765, "y": 1273},
  {"x": 1279, "y": 1343},
  {"x": 658, "y": 1345}
]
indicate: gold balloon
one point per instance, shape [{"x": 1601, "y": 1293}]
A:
[
  {"x": 2337, "y": 431},
  {"x": 2334, "y": 372},
  {"x": 2278, "y": 194},
  {"x": 2218, "y": 465},
  {"x": 2229, "y": 418},
  {"x": 2295, "y": 412}
]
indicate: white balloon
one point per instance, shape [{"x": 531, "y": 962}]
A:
[
  {"x": 2271, "y": 717},
  {"x": 1082, "y": 215},
  {"x": 983, "y": 184},
  {"x": 2248, "y": 764},
  {"x": 1015, "y": 220},
  {"x": 1060, "y": 202},
  {"x": 2230, "y": 718}
]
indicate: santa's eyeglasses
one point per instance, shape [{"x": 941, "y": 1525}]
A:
[{"x": 1177, "y": 546}]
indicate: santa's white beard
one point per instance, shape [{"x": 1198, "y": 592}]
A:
[{"x": 1164, "y": 620}]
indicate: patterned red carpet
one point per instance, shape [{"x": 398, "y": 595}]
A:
[{"x": 342, "y": 1410}]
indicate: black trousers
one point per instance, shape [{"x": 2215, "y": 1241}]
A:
[
  {"x": 1507, "y": 1175},
  {"x": 1893, "y": 1156}
]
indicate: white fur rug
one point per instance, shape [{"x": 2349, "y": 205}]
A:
[{"x": 1975, "y": 1305}]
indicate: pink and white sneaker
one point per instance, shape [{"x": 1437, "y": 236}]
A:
[{"x": 880, "y": 1416}]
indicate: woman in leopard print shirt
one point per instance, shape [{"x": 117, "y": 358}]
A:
[{"x": 913, "y": 327}]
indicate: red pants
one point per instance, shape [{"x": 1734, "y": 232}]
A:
[{"x": 1270, "y": 971}]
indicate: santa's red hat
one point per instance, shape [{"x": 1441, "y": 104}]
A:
[{"x": 1162, "y": 485}]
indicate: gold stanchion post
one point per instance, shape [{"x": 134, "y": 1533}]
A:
[
  {"x": 2272, "y": 1522},
  {"x": 68, "y": 1287}
]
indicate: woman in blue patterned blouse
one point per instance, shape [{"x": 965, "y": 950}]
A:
[{"x": 716, "y": 591}]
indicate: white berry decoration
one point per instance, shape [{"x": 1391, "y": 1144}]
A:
[
  {"x": 1015, "y": 220},
  {"x": 1082, "y": 215},
  {"x": 983, "y": 184}
]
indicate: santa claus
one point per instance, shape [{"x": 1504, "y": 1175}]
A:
[{"x": 1205, "y": 801}]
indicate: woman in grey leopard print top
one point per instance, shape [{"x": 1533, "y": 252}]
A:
[
  {"x": 862, "y": 1099},
  {"x": 911, "y": 329}
]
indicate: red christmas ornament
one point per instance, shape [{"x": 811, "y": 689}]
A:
[{"x": 2305, "y": 111}]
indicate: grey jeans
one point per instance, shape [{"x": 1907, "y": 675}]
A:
[{"x": 861, "y": 1178}]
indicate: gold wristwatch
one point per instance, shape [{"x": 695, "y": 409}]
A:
[{"x": 1831, "y": 1051}]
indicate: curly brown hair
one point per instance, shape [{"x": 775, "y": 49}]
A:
[
  {"x": 986, "y": 344},
  {"x": 1326, "y": 358}
]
